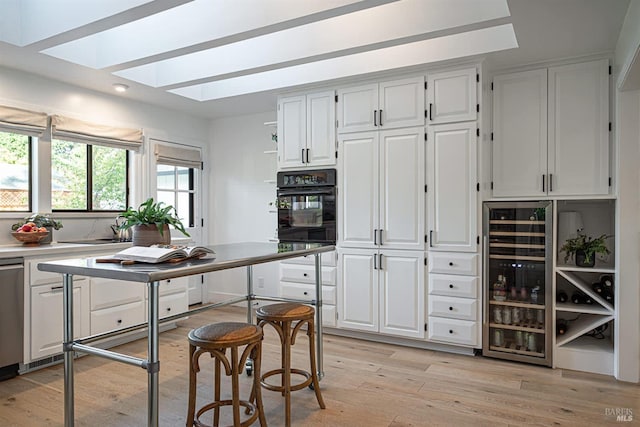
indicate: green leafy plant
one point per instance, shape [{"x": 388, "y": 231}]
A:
[
  {"x": 149, "y": 213},
  {"x": 589, "y": 245},
  {"x": 40, "y": 220}
]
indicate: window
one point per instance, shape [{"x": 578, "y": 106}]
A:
[
  {"x": 88, "y": 177},
  {"x": 15, "y": 172},
  {"x": 176, "y": 187}
]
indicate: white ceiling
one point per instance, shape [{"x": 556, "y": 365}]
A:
[{"x": 216, "y": 58}]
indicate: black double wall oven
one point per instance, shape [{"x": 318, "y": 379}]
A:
[{"x": 307, "y": 206}]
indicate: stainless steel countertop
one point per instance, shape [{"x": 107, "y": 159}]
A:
[{"x": 227, "y": 256}]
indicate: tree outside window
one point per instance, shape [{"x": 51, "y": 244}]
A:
[
  {"x": 88, "y": 177},
  {"x": 15, "y": 172}
]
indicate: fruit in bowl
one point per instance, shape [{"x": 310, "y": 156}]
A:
[{"x": 30, "y": 233}]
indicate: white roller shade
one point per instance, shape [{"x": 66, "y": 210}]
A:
[
  {"x": 22, "y": 121},
  {"x": 68, "y": 129},
  {"x": 178, "y": 156}
]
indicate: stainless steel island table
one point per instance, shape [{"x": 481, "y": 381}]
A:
[{"x": 227, "y": 256}]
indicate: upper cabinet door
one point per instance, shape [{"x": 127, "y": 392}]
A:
[
  {"x": 520, "y": 134},
  {"x": 358, "y": 190},
  {"x": 452, "y": 194},
  {"x": 579, "y": 129},
  {"x": 401, "y": 103},
  {"x": 358, "y": 108},
  {"x": 292, "y": 132},
  {"x": 321, "y": 129},
  {"x": 402, "y": 196},
  {"x": 452, "y": 96}
]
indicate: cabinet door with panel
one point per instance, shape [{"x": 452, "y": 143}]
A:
[
  {"x": 402, "y": 196},
  {"x": 358, "y": 108},
  {"x": 46, "y": 317},
  {"x": 292, "y": 131},
  {"x": 402, "y": 293},
  {"x": 579, "y": 129},
  {"x": 321, "y": 129},
  {"x": 451, "y": 96},
  {"x": 520, "y": 134},
  {"x": 452, "y": 187},
  {"x": 359, "y": 189},
  {"x": 358, "y": 295}
]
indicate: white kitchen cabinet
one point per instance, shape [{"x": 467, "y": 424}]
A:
[
  {"x": 297, "y": 281},
  {"x": 381, "y": 181},
  {"x": 452, "y": 187},
  {"x": 551, "y": 131},
  {"x": 452, "y": 96},
  {"x": 306, "y": 130},
  {"x": 520, "y": 134},
  {"x": 116, "y": 304},
  {"x": 386, "y": 105},
  {"x": 579, "y": 129},
  {"x": 46, "y": 317},
  {"x": 454, "y": 298},
  {"x": 382, "y": 291}
]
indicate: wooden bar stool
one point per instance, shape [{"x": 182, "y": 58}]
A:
[
  {"x": 215, "y": 339},
  {"x": 287, "y": 319}
]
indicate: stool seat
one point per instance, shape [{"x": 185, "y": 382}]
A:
[
  {"x": 224, "y": 334},
  {"x": 285, "y": 311}
]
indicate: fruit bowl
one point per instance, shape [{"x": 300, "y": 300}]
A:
[{"x": 33, "y": 237}]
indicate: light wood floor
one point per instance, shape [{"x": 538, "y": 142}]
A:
[{"x": 366, "y": 384}]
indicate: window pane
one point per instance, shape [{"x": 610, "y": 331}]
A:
[
  {"x": 166, "y": 177},
  {"x": 14, "y": 172},
  {"x": 167, "y": 197},
  {"x": 184, "y": 208},
  {"x": 183, "y": 179},
  {"x": 68, "y": 175},
  {"x": 109, "y": 177}
]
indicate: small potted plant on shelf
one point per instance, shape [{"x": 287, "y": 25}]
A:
[
  {"x": 150, "y": 223},
  {"x": 585, "y": 249},
  {"x": 39, "y": 221}
]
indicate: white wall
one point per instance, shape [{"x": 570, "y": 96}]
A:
[
  {"x": 24, "y": 90},
  {"x": 239, "y": 197},
  {"x": 627, "y": 339}
]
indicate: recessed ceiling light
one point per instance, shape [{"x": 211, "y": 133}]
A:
[{"x": 120, "y": 87}]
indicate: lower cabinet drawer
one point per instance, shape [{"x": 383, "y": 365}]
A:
[
  {"x": 119, "y": 317},
  {"x": 453, "y": 331},
  {"x": 456, "y": 308},
  {"x": 453, "y": 263},
  {"x": 173, "y": 304},
  {"x": 111, "y": 293},
  {"x": 306, "y": 274},
  {"x": 307, "y": 292},
  {"x": 454, "y": 286},
  {"x": 173, "y": 286}
]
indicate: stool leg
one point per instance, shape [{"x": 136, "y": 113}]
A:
[
  {"x": 235, "y": 386},
  {"x": 312, "y": 358},
  {"x": 191, "y": 412},
  {"x": 256, "y": 389},
  {"x": 216, "y": 392},
  {"x": 286, "y": 367}
]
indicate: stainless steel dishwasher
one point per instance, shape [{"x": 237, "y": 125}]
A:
[{"x": 11, "y": 315}]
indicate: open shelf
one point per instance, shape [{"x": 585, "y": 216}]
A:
[
  {"x": 600, "y": 269},
  {"x": 274, "y": 123},
  {"x": 586, "y": 288},
  {"x": 270, "y": 152},
  {"x": 583, "y": 308},
  {"x": 580, "y": 326}
]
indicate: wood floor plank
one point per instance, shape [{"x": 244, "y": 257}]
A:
[{"x": 366, "y": 384}]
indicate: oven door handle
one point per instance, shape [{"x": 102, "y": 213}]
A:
[{"x": 310, "y": 192}]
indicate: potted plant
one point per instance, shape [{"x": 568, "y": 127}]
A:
[
  {"x": 150, "y": 223},
  {"x": 40, "y": 220},
  {"x": 585, "y": 249}
]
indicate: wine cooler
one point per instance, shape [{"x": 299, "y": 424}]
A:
[{"x": 517, "y": 322}]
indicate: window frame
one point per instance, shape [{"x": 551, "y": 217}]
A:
[
  {"x": 191, "y": 191},
  {"x": 89, "y": 181}
]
